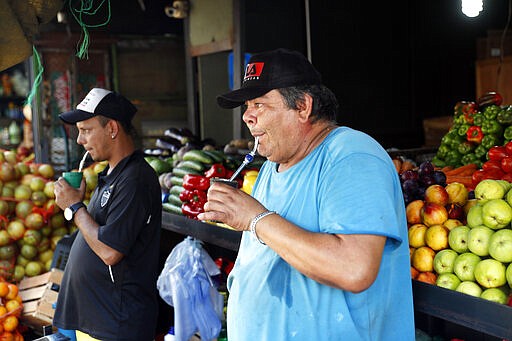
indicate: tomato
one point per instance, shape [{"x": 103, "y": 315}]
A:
[
  {"x": 491, "y": 164},
  {"x": 506, "y": 164},
  {"x": 477, "y": 176},
  {"x": 497, "y": 153},
  {"x": 507, "y": 177},
  {"x": 494, "y": 174},
  {"x": 508, "y": 148}
]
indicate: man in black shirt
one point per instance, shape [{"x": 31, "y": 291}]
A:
[{"x": 109, "y": 287}]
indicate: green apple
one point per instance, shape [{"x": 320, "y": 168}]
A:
[
  {"x": 478, "y": 240},
  {"x": 474, "y": 216},
  {"x": 496, "y": 213},
  {"x": 508, "y": 274},
  {"x": 458, "y": 238},
  {"x": 464, "y": 266},
  {"x": 490, "y": 273},
  {"x": 495, "y": 295},
  {"x": 506, "y": 185},
  {"x": 508, "y": 197},
  {"x": 489, "y": 189},
  {"x": 500, "y": 245},
  {"x": 443, "y": 261},
  {"x": 469, "y": 288},
  {"x": 448, "y": 281}
]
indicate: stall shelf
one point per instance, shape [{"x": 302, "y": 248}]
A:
[{"x": 471, "y": 312}]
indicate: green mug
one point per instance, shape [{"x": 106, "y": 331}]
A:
[{"x": 73, "y": 178}]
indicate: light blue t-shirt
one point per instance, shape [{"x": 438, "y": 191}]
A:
[{"x": 346, "y": 185}]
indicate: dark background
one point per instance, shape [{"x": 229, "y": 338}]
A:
[{"x": 391, "y": 64}]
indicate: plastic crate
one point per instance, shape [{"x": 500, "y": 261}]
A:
[{"x": 61, "y": 253}]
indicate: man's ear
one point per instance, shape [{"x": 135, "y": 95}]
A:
[
  {"x": 304, "y": 108},
  {"x": 113, "y": 126}
]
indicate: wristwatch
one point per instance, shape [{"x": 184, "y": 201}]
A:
[{"x": 70, "y": 211}]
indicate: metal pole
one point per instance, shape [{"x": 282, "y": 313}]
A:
[{"x": 308, "y": 31}]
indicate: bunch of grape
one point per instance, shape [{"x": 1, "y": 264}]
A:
[{"x": 415, "y": 181}]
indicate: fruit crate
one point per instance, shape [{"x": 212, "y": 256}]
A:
[
  {"x": 465, "y": 310},
  {"x": 39, "y": 293}
]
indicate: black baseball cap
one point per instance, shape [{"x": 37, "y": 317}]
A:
[
  {"x": 101, "y": 102},
  {"x": 270, "y": 70}
]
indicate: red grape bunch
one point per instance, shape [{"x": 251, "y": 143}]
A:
[{"x": 415, "y": 181}]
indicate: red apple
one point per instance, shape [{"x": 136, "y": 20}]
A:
[
  {"x": 437, "y": 194},
  {"x": 413, "y": 211},
  {"x": 433, "y": 214}
]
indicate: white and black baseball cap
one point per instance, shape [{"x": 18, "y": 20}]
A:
[
  {"x": 276, "y": 69},
  {"x": 101, "y": 102}
]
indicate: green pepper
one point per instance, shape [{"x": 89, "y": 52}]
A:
[
  {"x": 505, "y": 116},
  {"x": 478, "y": 119},
  {"x": 463, "y": 129},
  {"x": 438, "y": 162},
  {"x": 507, "y": 134},
  {"x": 491, "y": 127},
  {"x": 480, "y": 151},
  {"x": 465, "y": 147},
  {"x": 469, "y": 158},
  {"x": 453, "y": 158},
  {"x": 443, "y": 150},
  {"x": 490, "y": 141},
  {"x": 457, "y": 140},
  {"x": 474, "y": 134},
  {"x": 491, "y": 112}
]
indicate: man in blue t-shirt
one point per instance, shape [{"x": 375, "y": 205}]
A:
[{"x": 325, "y": 253}]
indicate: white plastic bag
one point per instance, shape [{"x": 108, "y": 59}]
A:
[{"x": 185, "y": 283}]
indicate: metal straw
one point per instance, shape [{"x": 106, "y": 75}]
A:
[
  {"x": 83, "y": 161},
  {"x": 248, "y": 159}
]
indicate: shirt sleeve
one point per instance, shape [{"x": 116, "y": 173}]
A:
[{"x": 360, "y": 197}]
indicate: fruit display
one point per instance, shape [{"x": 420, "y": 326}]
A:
[
  {"x": 11, "y": 307},
  {"x": 477, "y": 126},
  {"x": 185, "y": 177},
  {"x": 415, "y": 180},
  {"x": 464, "y": 244}
]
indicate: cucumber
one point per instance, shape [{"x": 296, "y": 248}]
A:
[
  {"x": 197, "y": 155},
  {"x": 198, "y": 166},
  {"x": 171, "y": 208},
  {"x": 174, "y": 199},
  {"x": 216, "y": 155},
  {"x": 176, "y": 190},
  {"x": 182, "y": 171},
  {"x": 176, "y": 181}
]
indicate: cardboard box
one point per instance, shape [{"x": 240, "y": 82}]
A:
[
  {"x": 435, "y": 128},
  {"x": 38, "y": 294}
]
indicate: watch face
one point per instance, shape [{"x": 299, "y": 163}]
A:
[{"x": 68, "y": 214}]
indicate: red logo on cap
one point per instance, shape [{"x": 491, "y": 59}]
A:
[{"x": 253, "y": 71}]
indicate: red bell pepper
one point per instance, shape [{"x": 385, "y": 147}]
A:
[
  {"x": 497, "y": 153},
  {"x": 193, "y": 196},
  {"x": 195, "y": 181},
  {"x": 191, "y": 210},
  {"x": 475, "y": 134},
  {"x": 217, "y": 170}
]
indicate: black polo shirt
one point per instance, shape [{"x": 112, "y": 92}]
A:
[{"x": 118, "y": 303}]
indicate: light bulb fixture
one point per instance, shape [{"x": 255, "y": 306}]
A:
[{"x": 472, "y": 8}]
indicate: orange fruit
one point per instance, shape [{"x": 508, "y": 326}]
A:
[
  {"x": 3, "y": 310},
  {"x": 4, "y": 289},
  {"x": 10, "y": 323},
  {"x": 13, "y": 291},
  {"x": 7, "y": 336},
  {"x": 12, "y": 306}
]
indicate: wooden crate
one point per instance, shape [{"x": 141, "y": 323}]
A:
[{"x": 38, "y": 294}]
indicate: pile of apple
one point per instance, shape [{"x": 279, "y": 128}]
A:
[{"x": 464, "y": 244}]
